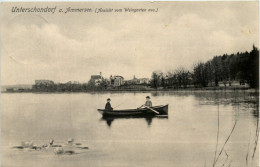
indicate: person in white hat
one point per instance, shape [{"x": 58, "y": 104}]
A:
[{"x": 148, "y": 102}]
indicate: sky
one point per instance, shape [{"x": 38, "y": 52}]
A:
[{"x": 72, "y": 46}]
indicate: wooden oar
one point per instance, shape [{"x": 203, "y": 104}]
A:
[
  {"x": 119, "y": 105},
  {"x": 152, "y": 110}
]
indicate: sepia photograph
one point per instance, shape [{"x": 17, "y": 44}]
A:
[{"x": 129, "y": 84}]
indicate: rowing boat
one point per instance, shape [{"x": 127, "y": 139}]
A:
[{"x": 162, "y": 110}]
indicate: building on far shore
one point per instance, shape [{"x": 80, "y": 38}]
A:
[
  {"x": 144, "y": 80},
  {"x": 97, "y": 79},
  {"x": 16, "y": 88},
  {"x": 116, "y": 80},
  {"x": 138, "y": 81},
  {"x": 134, "y": 80}
]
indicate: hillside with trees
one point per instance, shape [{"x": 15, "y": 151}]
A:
[{"x": 242, "y": 67}]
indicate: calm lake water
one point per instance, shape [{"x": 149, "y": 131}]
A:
[{"x": 186, "y": 138}]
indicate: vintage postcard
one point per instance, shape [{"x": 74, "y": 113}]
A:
[{"x": 130, "y": 84}]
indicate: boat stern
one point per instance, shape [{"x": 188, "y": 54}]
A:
[
  {"x": 165, "y": 109},
  {"x": 101, "y": 111}
]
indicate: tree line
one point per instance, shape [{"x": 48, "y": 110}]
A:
[
  {"x": 242, "y": 67},
  {"x": 64, "y": 87}
]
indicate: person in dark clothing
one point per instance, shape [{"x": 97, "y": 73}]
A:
[{"x": 108, "y": 105}]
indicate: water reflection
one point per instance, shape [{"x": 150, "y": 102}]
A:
[
  {"x": 110, "y": 120},
  {"x": 190, "y": 135},
  {"x": 248, "y": 101}
]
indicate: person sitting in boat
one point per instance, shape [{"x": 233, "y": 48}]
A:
[
  {"x": 108, "y": 105},
  {"x": 148, "y": 102}
]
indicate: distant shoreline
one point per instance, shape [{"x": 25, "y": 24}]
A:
[{"x": 145, "y": 90}]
